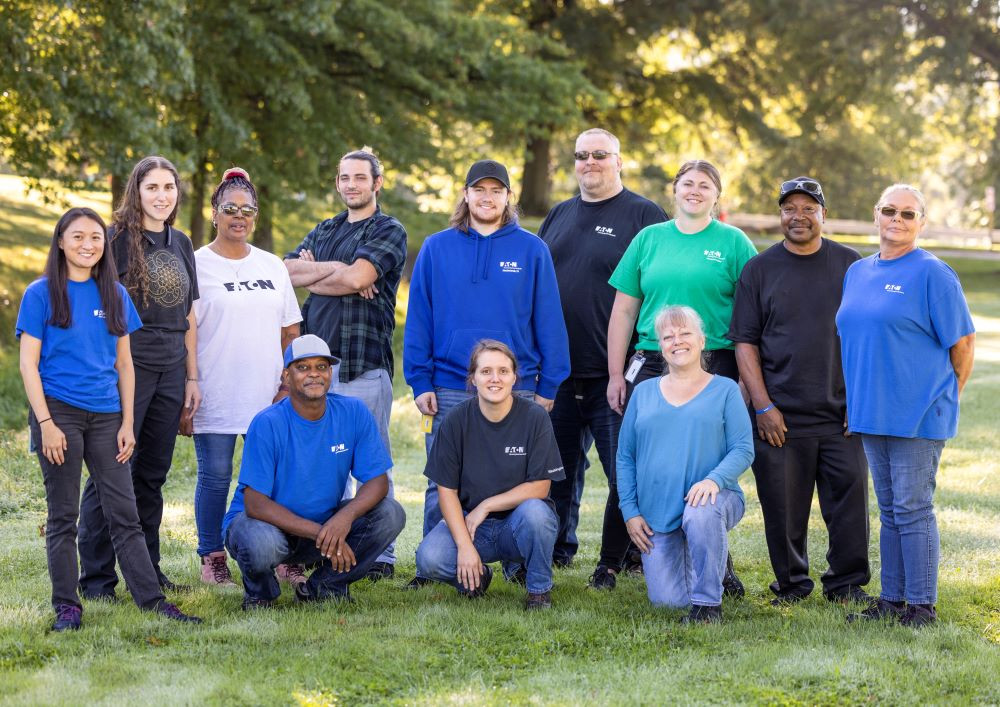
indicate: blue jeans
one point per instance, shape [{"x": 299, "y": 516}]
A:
[
  {"x": 903, "y": 473},
  {"x": 526, "y": 536},
  {"x": 259, "y": 547},
  {"x": 686, "y": 565},
  {"x": 211, "y": 491}
]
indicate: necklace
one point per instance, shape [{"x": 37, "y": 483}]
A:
[{"x": 235, "y": 264}]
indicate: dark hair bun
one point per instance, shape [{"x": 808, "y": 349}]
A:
[{"x": 235, "y": 172}]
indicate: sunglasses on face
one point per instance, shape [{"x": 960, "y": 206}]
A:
[
  {"x": 231, "y": 209},
  {"x": 905, "y": 214},
  {"x": 806, "y": 185},
  {"x": 583, "y": 155}
]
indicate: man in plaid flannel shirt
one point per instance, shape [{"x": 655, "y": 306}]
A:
[{"x": 351, "y": 265}]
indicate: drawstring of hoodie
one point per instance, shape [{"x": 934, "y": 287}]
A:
[{"x": 489, "y": 255}]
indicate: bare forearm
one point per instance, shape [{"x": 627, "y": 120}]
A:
[
  {"x": 369, "y": 495},
  {"x": 260, "y": 507},
  {"x": 305, "y": 273},
  {"x": 748, "y": 360},
  {"x": 288, "y": 334},
  {"x": 347, "y": 279},
  {"x": 191, "y": 346},
  {"x": 126, "y": 381},
  {"x": 620, "y": 327},
  {"x": 451, "y": 511},
  {"x": 962, "y": 356},
  {"x": 516, "y": 496}
]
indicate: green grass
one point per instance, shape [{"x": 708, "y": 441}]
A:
[{"x": 432, "y": 647}]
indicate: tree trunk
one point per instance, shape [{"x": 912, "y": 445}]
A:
[
  {"x": 117, "y": 190},
  {"x": 198, "y": 202},
  {"x": 537, "y": 187},
  {"x": 263, "y": 234}
]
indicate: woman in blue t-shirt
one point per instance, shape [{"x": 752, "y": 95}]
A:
[
  {"x": 678, "y": 513},
  {"x": 73, "y": 326},
  {"x": 155, "y": 262},
  {"x": 907, "y": 343}
]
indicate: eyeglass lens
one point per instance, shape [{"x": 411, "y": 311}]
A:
[
  {"x": 905, "y": 214},
  {"x": 598, "y": 155}
]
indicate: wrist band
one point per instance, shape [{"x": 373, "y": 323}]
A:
[
  {"x": 763, "y": 410},
  {"x": 191, "y": 380},
  {"x": 45, "y": 420}
]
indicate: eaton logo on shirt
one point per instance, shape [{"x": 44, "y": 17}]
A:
[
  {"x": 714, "y": 255},
  {"x": 605, "y": 230},
  {"x": 895, "y": 289},
  {"x": 338, "y": 448},
  {"x": 509, "y": 266},
  {"x": 514, "y": 451},
  {"x": 99, "y": 313},
  {"x": 248, "y": 285}
]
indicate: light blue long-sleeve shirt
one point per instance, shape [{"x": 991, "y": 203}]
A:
[{"x": 664, "y": 449}]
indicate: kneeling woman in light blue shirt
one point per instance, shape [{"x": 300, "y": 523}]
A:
[{"x": 684, "y": 442}]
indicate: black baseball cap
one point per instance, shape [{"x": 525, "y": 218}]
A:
[
  {"x": 802, "y": 185},
  {"x": 487, "y": 169}
]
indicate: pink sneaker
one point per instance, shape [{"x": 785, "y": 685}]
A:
[
  {"x": 214, "y": 570},
  {"x": 293, "y": 574}
]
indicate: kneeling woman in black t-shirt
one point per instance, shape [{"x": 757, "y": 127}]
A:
[{"x": 493, "y": 461}]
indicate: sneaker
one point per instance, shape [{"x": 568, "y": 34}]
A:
[
  {"x": 170, "y": 611},
  {"x": 561, "y": 563},
  {"x": 215, "y": 570},
  {"x": 520, "y": 578},
  {"x": 603, "y": 578},
  {"x": 918, "y": 615},
  {"x": 788, "y": 599},
  {"x": 731, "y": 584},
  {"x": 417, "y": 582},
  {"x": 879, "y": 610},
  {"x": 853, "y": 593},
  {"x": 304, "y": 594},
  {"x": 703, "y": 615},
  {"x": 379, "y": 571},
  {"x": 168, "y": 586},
  {"x": 534, "y": 602},
  {"x": 633, "y": 563},
  {"x": 253, "y": 603},
  {"x": 484, "y": 584},
  {"x": 292, "y": 574},
  {"x": 67, "y": 618}
]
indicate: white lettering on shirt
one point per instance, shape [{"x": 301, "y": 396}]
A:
[
  {"x": 605, "y": 230},
  {"x": 99, "y": 313},
  {"x": 514, "y": 451},
  {"x": 895, "y": 289},
  {"x": 338, "y": 448},
  {"x": 509, "y": 266},
  {"x": 714, "y": 255},
  {"x": 554, "y": 471}
]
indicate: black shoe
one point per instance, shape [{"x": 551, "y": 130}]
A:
[
  {"x": 254, "y": 603},
  {"x": 170, "y": 611},
  {"x": 168, "y": 586},
  {"x": 520, "y": 578},
  {"x": 853, "y": 593},
  {"x": 561, "y": 563},
  {"x": 879, "y": 610},
  {"x": 303, "y": 594},
  {"x": 67, "y": 618},
  {"x": 417, "y": 582},
  {"x": 603, "y": 578},
  {"x": 484, "y": 584},
  {"x": 380, "y": 570},
  {"x": 788, "y": 599},
  {"x": 703, "y": 615},
  {"x": 633, "y": 563},
  {"x": 731, "y": 584},
  {"x": 534, "y": 602},
  {"x": 918, "y": 615}
]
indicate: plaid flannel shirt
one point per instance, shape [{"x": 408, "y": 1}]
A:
[{"x": 366, "y": 326}]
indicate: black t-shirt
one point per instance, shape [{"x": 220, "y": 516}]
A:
[
  {"x": 480, "y": 459},
  {"x": 587, "y": 239},
  {"x": 786, "y": 305},
  {"x": 164, "y": 305}
]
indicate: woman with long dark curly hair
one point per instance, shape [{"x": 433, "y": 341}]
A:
[{"x": 156, "y": 264}]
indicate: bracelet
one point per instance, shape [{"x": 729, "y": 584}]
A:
[
  {"x": 45, "y": 420},
  {"x": 191, "y": 380},
  {"x": 763, "y": 410}
]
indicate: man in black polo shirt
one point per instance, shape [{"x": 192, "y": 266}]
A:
[
  {"x": 789, "y": 359},
  {"x": 587, "y": 236},
  {"x": 351, "y": 264}
]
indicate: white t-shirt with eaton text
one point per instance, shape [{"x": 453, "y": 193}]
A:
[{"x": 243, "y": 306}]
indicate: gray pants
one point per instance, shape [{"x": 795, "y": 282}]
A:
[
  {"x": 91, "y": 437},
  {"x": 374, "y": 389}
]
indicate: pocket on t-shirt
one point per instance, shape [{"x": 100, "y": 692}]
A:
[{"x": 463, "y": 340}]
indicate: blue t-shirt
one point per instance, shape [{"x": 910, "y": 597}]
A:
[
  {"x": 897, "y": 322},
  {"x": 77, "y": 365},
  {"x": 664, "y": 449},
  {"x": 302, "y": 464}
]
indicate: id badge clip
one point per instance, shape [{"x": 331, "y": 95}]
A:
[{"x": 634, "y": 366}]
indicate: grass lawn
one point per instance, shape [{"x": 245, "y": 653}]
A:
[{"x": 432, "y": 647}]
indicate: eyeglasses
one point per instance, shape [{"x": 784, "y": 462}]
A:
[
  {"x": 807, "y": 185},
  {"x": 583, "y": 155},
  {"x": 231, "y": 209},
  {"x": 905, "y": 214}
]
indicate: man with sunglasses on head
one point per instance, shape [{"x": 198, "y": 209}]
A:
[
  {"x": 587, "y": 236},
  {"x": 351, "y": 265},
  {"x": 789, "y": 359}
]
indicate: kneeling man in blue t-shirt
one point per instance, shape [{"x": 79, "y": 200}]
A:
[{"x": 288, "y": 506}]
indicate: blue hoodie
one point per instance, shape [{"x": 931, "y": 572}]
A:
[{"x": 467, "y": 287}]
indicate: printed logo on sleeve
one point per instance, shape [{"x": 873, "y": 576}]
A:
[
  {"x": 338, "y": 448},
  {"x": 514, "y": 451},
  {"x": 554, "y": 471},
  {"x": 509, "y": 266},
  {"x": 714, "y": 255},
  {"x": 99, "y": 313},
  {"x": 895, "y": 289},
  {"x": 605, "y": 230}
]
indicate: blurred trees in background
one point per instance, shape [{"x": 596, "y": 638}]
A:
[{"x": 858, "y": 93}]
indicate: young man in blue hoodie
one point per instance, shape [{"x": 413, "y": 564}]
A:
[{"x": 485, "y": 277}]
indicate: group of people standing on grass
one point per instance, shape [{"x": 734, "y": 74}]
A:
[{"x": 665, "y": 342}]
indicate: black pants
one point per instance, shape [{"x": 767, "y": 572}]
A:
[
  {"x": 581, "y": 414},
  {"x": 159, "y": 397},
  {"x": 91, "y": 437},
  {"x": 721, "y": 362},
  {"x": 835, "y": 465}
]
